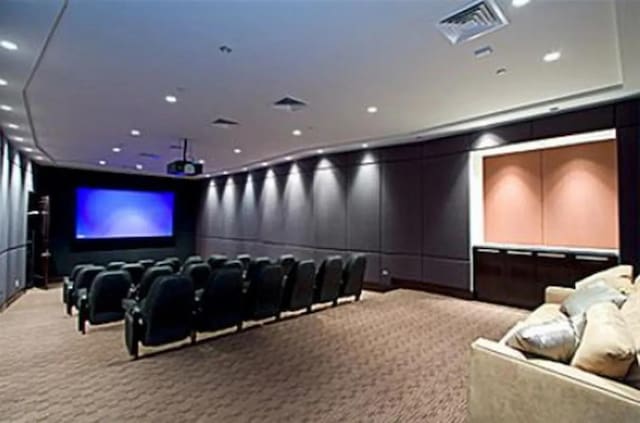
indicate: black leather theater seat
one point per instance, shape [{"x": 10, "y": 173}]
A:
[
  {"x": 328, "y": 280},
  {"x": 221, "y": 304},
  {"x": 353, "y": 276},
  {"x": 102, "y": 303},
  {"x": 298, "y": 288}
]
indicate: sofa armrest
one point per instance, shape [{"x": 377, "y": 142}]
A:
[
  {"x": 556, "y": 294},
  {"x": 505, "y": 386}
]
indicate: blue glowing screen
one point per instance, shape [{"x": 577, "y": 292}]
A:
[{"x": 110, "y": 213}]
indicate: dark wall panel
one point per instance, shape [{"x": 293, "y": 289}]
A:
[
  {"x": 363, "y": 207},
  {"x": 401, "y": 220},
  {"x": 271, "y": 222},
  {"x": 446, "y": 206},
  {"x": 446, "y": 272},
  {"x": 330, "y": 208},
  {"x": 249, "y": 210},
  {"x": 297, "y": 210},
  {"x": 404, "y": 267}
]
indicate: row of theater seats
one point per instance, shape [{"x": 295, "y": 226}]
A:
[{"x": 168, "y": 301}]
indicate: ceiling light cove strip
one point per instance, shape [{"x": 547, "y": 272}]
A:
[{"x": 34, "y": 69}]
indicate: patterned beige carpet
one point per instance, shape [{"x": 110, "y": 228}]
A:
[{"x": 397, "y": 357}]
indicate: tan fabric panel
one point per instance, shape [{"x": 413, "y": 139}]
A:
[
  {"x": 580, "y": 195},
  {"x": 513, "y": 198}
]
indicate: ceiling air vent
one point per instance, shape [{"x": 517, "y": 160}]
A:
[
  {"x": 224, "y": 123},
  {"x": 290, "y": 104},
  {"x": 473, "y": 21}
]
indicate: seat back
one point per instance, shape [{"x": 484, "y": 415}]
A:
[
  {"x": 216, "y": 261},
  {"x": 135, "y": 271},
  {"x": 168, "y": 310},
  {"x": 222, "y": 303},
  {"x": 298, "y": 288},
  {"x": 286, "y": 261},
  {"x": 85, "y": 277},
  {"x": 105, "y": 298},
  {"x": 175, "y": 263},
  {"x": 149, "y": 276},
  {"x": 198, "y": 273},
  {"x": 255, "y": 267},
  {"x": 190, "y": 260},
  {"x": 76, "y": 269},
  {"x": 328, "y": 280},
  {"x": 245, "y": 259},
  {"x": 146, "y": 263},
  {"x": 115, "y": 265},
  {"x": 265, "y": 293},
  {"x": 353, "y": 275}
]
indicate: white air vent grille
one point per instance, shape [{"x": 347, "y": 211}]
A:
[
  {"x": 290, "y": 104},
  {"x": 473, "y": 21},
  {"x": 224, "y": 123}
]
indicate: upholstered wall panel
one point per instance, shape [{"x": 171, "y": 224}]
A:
[
  {"x": 298, "y": 209},
  {"x": 250, "y": 194},
  {"x": 363, "y": 207},
  {"x": 446, "y": 206},
  {"x": 401, "y": 220},
  {"x": 513, "y": 198},
  {"x": 271, "y": 222},
  {"x": 446, "y": 272},
  {"x": 580, "y": 195},
  {"x": 330, "y": 208},
  {"x": 400, "y": 266}
]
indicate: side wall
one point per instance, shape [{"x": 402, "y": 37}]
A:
[
  {"x": 406, "y": 206},
  {"x": 15, "y": 184},
  {"x": 60, "y": 185}
]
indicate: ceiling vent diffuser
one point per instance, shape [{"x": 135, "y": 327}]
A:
[
  {"x": 473, "y": 21},
  {"x": 224, "y": 123},
  {"x": 289, "y": 104}
]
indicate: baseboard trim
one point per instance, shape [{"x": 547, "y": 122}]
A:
[
  {"x": 435, "y": 289},
  {"x": 372, "y": 286},
  {"x": 11, "y": 299}
]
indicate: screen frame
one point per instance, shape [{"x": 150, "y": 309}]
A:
[{"x": 123, "y": 243}]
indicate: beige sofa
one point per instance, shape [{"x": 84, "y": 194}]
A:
[{"x": 506, "y": 386}]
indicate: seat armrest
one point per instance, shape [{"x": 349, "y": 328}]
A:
[{"x": 557, "y": 294}]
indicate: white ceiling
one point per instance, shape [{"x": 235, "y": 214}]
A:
[{"x": 109, "y": 64}]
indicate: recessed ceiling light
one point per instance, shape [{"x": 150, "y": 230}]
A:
[
  {"x": 225, "y": 173},
  {"x": 288, "y": 158},
  {"x": 171, "y": 99},
  {"x": 296, "y": 132},
  {"x": 38, "y": 158},
  {"x": 9, "y": 45},
  {"x": 320, "y": 151},
  {"x": 135, "y": 132},
  {"x": 13, "y": 126},
  {"x": 102, "y": 162},
  {"x": 245, "y": 168},
  {"x": 264, "y": 164},
  {"x": 519, "y": 3},
  {"x": 372, "y": 109},
  {"x": 139, "y": 166},
  {"x": 201, "y": 161},
  {"x": 365, "y": 145},
  {"x": 208, "y": 175},
  {"x": 116, "y": 149},
  {"x": 6, "y": 108},
  {"x": 19, "y": 139},
  {"x": 552, "y": 56},
  {"x": 237, "y": 151},
  {"x": 28, "y": 149},
  {"x": 501, "y": 71},
  {"x": 3, "y": 82}
]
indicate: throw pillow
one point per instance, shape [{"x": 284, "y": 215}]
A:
[{"x": 594, "y": 293}]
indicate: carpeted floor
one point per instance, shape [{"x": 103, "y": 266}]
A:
[{"x": 395, "y": 357}]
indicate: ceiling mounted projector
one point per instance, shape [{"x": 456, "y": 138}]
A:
[{"x": 184, "y": 167}]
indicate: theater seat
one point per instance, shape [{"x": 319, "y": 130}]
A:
[
  {"x": 286, "y": 261},
  {"x": 353, "y": 276},
  {"x": 298, "y": 287},
  {"x": 221, "y": 304},
  {"x": 146, "y": 263},
  {"x": 115, "y": 265},
  {"x": 255, "y": 266},
  {"x": 135, "y": 271},
  {"x": 102, "y": 303},
  {"x": 216, "y": 261},
  {"x": 175, "y": 263},
  {"x": 265, "y": 293},
  {"x": 150, "y": 275},
  {"x": 67, "y": 286},
  {"x": 198, "y": 273},
  {"x": 165, "y": 315},
  {"x": 245, "y": 259},
  {"x": 81, "y": 284},
  {"x": 327, "y": 287}
]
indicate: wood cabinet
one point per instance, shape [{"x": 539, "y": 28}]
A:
[{"x": 518, "y": 276}]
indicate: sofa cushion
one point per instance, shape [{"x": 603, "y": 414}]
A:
[
  {"x": 607, "y": 346},
  {"x": 556, "y": 339},
  {"x": 588, "y": 295},
  {"x": 631, "y": 314},
  {"x": 619, "y": 277}
]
